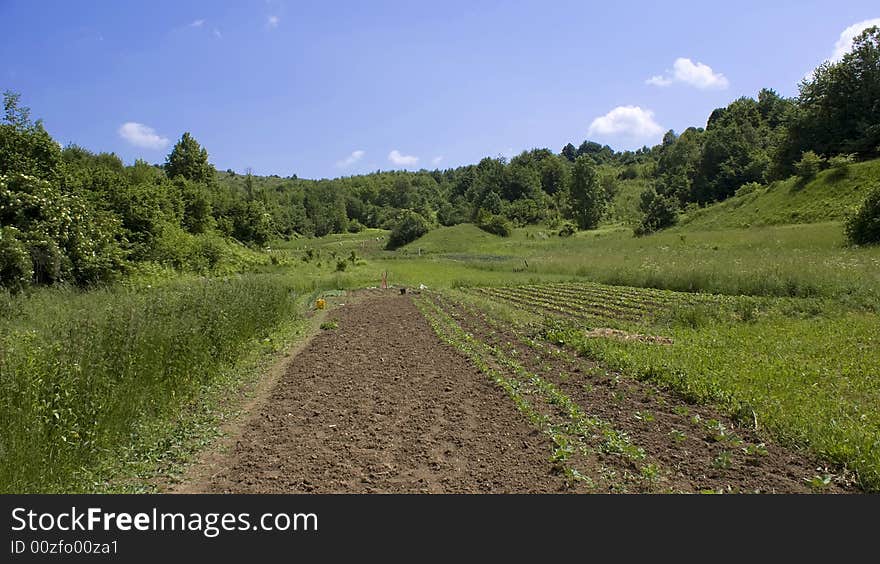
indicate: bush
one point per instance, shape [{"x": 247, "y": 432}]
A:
[
  {"x": 863, "y": 228},
  {"x": 567, "y": 229},
  {"x": 839, "y": 164},
  {"x": 64, "y": 236},
  {"x": 355, "y": 226},
  {"x": 497, "y": 225},
  {"x": 660, "y": 212},
  {"x": 525, "y": 211},
  {"x": 16, "y": 268},
  {"x": 409, "y": 227},
  {"x": 748, "y": 188},
  {"x": 809, "y": 166}
]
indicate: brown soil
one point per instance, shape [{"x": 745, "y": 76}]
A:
[{"x": 380, "y": 404}]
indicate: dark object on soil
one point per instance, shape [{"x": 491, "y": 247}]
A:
[{"x": 402, "y": 291}]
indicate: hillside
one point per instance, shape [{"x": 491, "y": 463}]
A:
[{"x": 829, "y": 197}]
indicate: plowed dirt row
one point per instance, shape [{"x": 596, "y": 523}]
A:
[{"x": 380, "y": 404}]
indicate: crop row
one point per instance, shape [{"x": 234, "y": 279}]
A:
[{"x": 573, "y": 433}]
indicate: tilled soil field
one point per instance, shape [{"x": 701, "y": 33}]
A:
[{"x": 381, "y": 404}]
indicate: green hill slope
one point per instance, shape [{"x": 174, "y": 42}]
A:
[{"x": 829, "y": 197}]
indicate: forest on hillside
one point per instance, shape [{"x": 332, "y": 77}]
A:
[{"x": 70, "y": 215}]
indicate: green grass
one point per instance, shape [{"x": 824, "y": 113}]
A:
[
  {"x": 810, "y": 382},
  {"x": 788, "y": 260},
  {"x": 831, "y": 196},
  {"x": 82, "y": 374}
]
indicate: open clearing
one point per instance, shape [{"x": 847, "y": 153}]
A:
[{"x": 429, "y": 394}]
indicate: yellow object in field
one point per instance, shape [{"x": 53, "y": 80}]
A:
[{"x": 320, "y": 303}]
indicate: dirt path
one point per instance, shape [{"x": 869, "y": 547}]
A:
[{"x": 380, "y": 404}]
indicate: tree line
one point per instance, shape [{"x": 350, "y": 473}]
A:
[{"x": 68, "y": 215}]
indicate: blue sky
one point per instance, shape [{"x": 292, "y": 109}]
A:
[{"x": 326, "y": 89}]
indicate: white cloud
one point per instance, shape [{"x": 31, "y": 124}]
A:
[
  {"x": 197, "y": 23},
  {"x": 844, "y": 43},
  {"x": 659, "y": 81},
  {"x": 402, "y": 160},
  {"x": 217, "y": 33},
  {"x": 436, "y": 160},
  {"x": 354, "y": 157},
  {"x": 141, "y": 135},
  {"x": 627, "y": 121},
  {"x": 273, "y": 21},
  {"x": 697, "y": 74}
]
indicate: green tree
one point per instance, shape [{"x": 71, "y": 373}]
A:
[
  {"x": 25, "y": 146},
  {"x": 569, "y": 152},
  {"x": 587, "y": 196},
  {"x": 408, "y": 227},
  {"x": 659, "y": 212},
  {"x": 863, "y": 228},
  {"x": 189, "y": 160},
  {"x": 734, "y": 151},
  {"x": 837, "y": 108},
  {"x": 554, "y": 173}
]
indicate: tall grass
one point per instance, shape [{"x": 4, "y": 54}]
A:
[{"x": 80, "y": 371}]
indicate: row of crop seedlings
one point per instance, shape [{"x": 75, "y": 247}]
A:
[
  {"x": 644, "y": 298},
  {"x": 503, "y": 326},
  {"x": 569, "y": 306},
  {"x": 595, "y": 298},
  {"x": 571, "y": 430}
]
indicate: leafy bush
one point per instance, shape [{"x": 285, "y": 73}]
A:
[
  {"x": 567, "y": 229},
  {"x": 863, "y": 228},
  {"x": 65, "y": 237},
  {"x": 839, "y": 164},
  {"x": 16, "y": 268},
  {"x": 659, "y": 212},
  {"x": 525, "y": 211},
  {"x": 497, "y": 225},
  {"x": 748, "y": 188},
  {"x": 809, "y": 166},
  {"x": 409, "y": 227}
]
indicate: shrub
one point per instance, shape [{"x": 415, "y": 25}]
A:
[
  {"x": 809, "y": 166},
  {"x": 839, "y": 164},
  {"x": 525, "y": 211},
  {"x": 748, "y": 188},
  {"x": 497, "y": 225},
  {"x": 567, "y": 229},
  {"x": 409, "y": 227},
  {"x": 863, "y": 228},
  {"x": 16, "y": 268},
  {"x": 355, "y": 226},
  {"x": 660, "y": 212}
]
